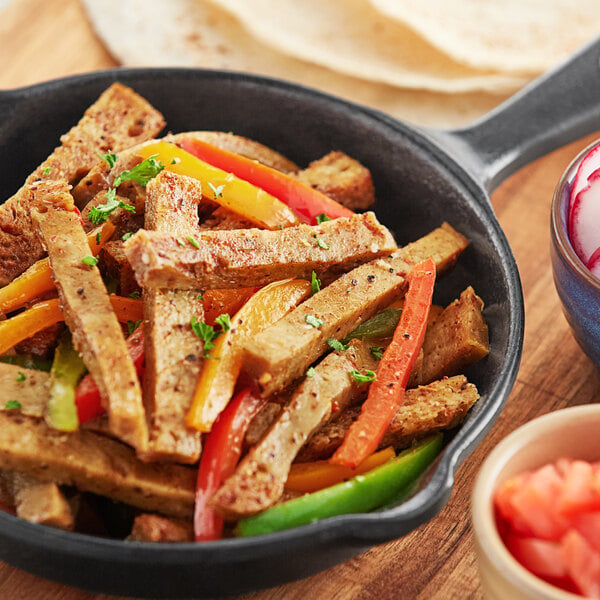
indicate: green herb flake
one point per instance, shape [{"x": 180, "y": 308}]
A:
[
  {"x": 12, "y": 405},
  {"x": 200, "y": 297},
  {"x": 206, "y": 333},
  {"x": 320, "y": 242},
  {"x": 193, "y": 241},
  {"x": 100, "y": 213},
  {"x": 224, "y": 321},
  {"x": 322, "y": 218},
  {"x": 20, "y": 376},
  {"x": 109, "y": 158},
  {"x": 46, "y": 171},
  {"x": 315, "y": 284},
  {"x": 126, "y": 236},
  {"x": 135, "y": 294},
  {"x": 176, "y": 160},
  {"x": 337, "y": 345},
  {"x": 311, "y": 372},
  {"x": 367, "y": 377},
  {"x": 180, "y": 241},
  {"x": 142, "y": 173},
  {"x": 376, "y": 352},
  {"x": 98, "y": 237},
  {"x": 91, "y": 261},
  {"x": 217, "y": 190},
  {"x": 132, "y": 326},
  {"x": 314, "y": 321}
]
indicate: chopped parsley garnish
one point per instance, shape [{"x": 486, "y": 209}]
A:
[
  {"x": 126, "y": 236},
  {"x": 314, "y": 321},
  {"x": 98, "y": 237},
  {"x": 200, "y": 297},
  {"x": 193, "y": 241},
  {"x": 46, "y": 170},
  {"x": 315, "y": 284},
  {"x": 320, "y": 242},
  {"x": 21, "y": 376},
  {"x": 365, "y": 377},
  {"x": 322, "y": 218},
  {"x": 337, "y": 345},
  {"x": 12, "y": 405},
  {"x": 310, "y": 372},
  {"x": 217, "y": 190},
  {"x": 142, "y": 173},
  {"x": 224, "y": 321},
  {"x": 180, "y": 241},
  {"x": 110, "y": 158},
  {"x": 376, "y": 352},
  {"x": 92, "y": 261},
  {"x": 176, "y": 160},
  {"x": 99, "y": 214},
  {"x": 132, "y": 326},
  {"x": 135, "y": 294}
]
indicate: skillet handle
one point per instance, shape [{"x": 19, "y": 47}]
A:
[{"x": 556, "y": 108}]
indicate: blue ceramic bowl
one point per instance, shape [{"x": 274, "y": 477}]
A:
[{"x": 578, "y": 289}]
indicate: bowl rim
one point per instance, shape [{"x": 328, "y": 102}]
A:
[
  {"x": 486, "y": 533},
  {"x": 559, "y": 232}
]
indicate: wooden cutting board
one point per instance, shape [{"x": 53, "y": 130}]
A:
[{"x": 41, "y": 40}]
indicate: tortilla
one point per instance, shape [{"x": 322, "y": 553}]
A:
[
  {"x": 197, "y": 34},
  {"x": 512, "y": 36}
]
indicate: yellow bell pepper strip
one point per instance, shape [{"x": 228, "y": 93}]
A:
[
  {"x": 386, "y": 392},
  {"x": 67, "y": 369},
  {"x": 48, "y": 312},
  {"x": 391, "y": 482},
  {"x": 223, "y": 363},
  {"x": 307, "y": 202},
  {"x": 313, "y": 476},
  {"x": 37, "y": 279},
  {"x": 239, "y": 196},
  {"x": 220, "y": 455},
  {"x": 219, "y": 302}
]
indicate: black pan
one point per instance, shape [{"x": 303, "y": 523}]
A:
[{"x": 422, "y": 177}]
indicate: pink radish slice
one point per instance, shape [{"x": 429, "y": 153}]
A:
[
  {"x": 594, "y": 263},
  {"x": 589, "y": 164},
  {"x": 584, "y": 221}
]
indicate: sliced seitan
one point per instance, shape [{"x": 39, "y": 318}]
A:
[
  {"x": 148, "y": 527},
  {"x": 342, "y": 178},
  {"x": 94, "y": 463},
  {"x": 118, "y": 119},
  {"x": 440, "y": 405},
  {"x": 115, "y": 265},
  {"x": 249, "y": 257},
  {"x": 173, "y": 351},
  {"x": 259, "y": 479},
  {"x": 27, "y": 387},
  {"x": 97, "y": 334},
  {"x": 282, "y": 352},
  {"x": 457, "y": 338}
]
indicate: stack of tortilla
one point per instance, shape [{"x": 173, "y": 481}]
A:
[{"x": 432, "y": 62}]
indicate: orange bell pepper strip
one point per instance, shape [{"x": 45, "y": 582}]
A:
[
  {"x": 386, "y": 392},
  {"x": 48, "y": 312},
  {"x": 305, "y": 201},
  {"x": 239, "y": 196},
  {"x": 37, "y": 279},
  {"x": 219, "y": 302},
  {"x": 312, "y": 476},
  {"x": 220, "y": 455},
  {"x": 220, "y": 371}
]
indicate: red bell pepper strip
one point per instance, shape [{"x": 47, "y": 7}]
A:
[
  {"x": 87, "y": 394},
  {"x": 220, "y": 456},
  {"x": 304, "y": 200},
  {"x": 386, "y": 393}
]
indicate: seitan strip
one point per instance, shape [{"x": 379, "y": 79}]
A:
[
  {"x": 118, "y": 119},
  {"x": 156, "y": 528},
  {"x": 426, "y": 409},
  {"x": 97, "y": 334},
  {"x": 27, "y": 387},
  {"x": 282, "y": 352},
  {"x": 259, "y": 479},
  {"x": 173, "y": 351},
  {"x": 457, "y": 338},
  {"x": 254, "y": 257},
  {"x": 94, "y": 463}
]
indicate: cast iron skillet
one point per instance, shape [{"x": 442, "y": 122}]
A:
[{"x": 422, "y": 177}]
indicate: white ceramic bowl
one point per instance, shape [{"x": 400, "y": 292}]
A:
[{"x": 571, "y": 432}]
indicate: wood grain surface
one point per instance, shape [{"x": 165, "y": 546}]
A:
[{"x": 41, "y": 39}]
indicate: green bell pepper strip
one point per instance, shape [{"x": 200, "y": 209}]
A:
[
  {"x": 362, "y": 493},
  {"x": 67, "y": 369},
  {"x": 381, "y": 326}
]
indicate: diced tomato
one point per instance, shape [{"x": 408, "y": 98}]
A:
[
  {"x": 582, "y": 563},
  {"x": 578, "y": 493},
  {"x": 588, "y": 525},
  {"x": 541, "y": 557},
  {"x": 505, "y": 505}
]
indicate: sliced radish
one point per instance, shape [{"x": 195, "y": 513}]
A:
[
  {"x": 584, "y": 221},
  {"x": 589, "y": 164}
]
